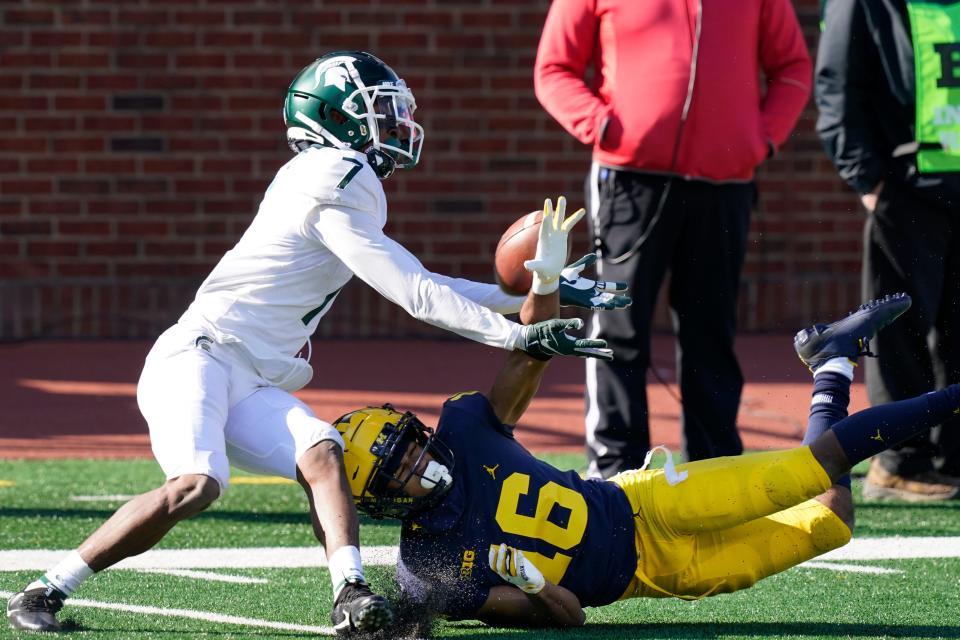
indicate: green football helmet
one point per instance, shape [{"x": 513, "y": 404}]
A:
[{"x": 352, "y": 100}]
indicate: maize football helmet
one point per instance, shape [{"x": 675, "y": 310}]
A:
[
  {"x": 347, "y": 100},
  {"x": 376, "y": 440}
]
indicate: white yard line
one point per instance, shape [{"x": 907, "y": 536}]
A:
[
  {"x": 117, "y": 497},
  {"x": 238, "y": 558},
  {"x": 207, "y": 575},
  {"x": 895, "y": 548},
  {"x": 207, "y": 616},
  {"x": 848, "y": 568}
]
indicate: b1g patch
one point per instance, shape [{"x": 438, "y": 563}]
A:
[{"x": 466, "y": 566}]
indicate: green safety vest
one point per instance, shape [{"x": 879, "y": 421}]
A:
[{"x": 935, "y": 29}]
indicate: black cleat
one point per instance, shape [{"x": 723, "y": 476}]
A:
[
  {"x": 36, "y": 609},
  {"x": 849, "y": 337},
  {"x": 358, "y": 609}
]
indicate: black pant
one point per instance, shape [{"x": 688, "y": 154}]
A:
[
  {"x": 644, "y": 225},
  {"x": 912, "y": 244}
]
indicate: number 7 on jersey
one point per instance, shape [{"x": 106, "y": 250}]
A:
[{"x": 352, "y": 172}]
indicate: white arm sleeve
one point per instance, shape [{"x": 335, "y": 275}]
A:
[
  {"x": 485, "y": 294},
  {"x": 357, "y": 239}
]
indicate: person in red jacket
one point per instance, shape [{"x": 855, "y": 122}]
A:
[{"x": 679, "y": 119}]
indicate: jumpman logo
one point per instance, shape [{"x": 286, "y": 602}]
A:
[
  {"x": 491, "y": 470},
  {"x": 877, "y": 437}
]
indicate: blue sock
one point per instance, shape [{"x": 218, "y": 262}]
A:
[
  {"x": 828, "y": 406},
  {"x": 876, "y": 429}
]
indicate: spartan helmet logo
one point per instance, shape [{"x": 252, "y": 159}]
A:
[
  {"x": 336, "y": 77},
  {"x": 331, "y": 73}
]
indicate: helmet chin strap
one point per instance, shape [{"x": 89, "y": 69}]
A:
[
  {"x": 434, "y": 474},
  {"x": 381, "y": 163}
]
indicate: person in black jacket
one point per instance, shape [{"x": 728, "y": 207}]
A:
[{"x": 894, "y": 136}]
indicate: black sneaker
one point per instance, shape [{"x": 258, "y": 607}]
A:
[
  {"x": 358, "y": 609},
  {"x": 35, "y": 609},
  {"x": 849, "y": 337}
]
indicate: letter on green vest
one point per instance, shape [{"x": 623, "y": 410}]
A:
[{"x": 936, "y": 47}]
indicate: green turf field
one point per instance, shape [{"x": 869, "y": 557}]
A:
[{"x": 54, "y": 505}]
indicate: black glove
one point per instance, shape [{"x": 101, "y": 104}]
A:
[{"x": 544, "y": 340}]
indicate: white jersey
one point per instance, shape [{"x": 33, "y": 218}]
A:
[{"x": 321, "y": 222}]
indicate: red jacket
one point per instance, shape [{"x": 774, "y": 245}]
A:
[{"x": 644, "y": 53}]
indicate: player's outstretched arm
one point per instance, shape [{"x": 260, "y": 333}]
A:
[
  {"x": 519, "y": 377},
  {"x": 357, "y": 239},
  {"x": 544, "y": 334},
  {"x": 546, "y": 339},
  {"x": 530, "y": 600}
]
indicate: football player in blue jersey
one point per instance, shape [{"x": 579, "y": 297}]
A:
[{"x": 492, "y": 533}]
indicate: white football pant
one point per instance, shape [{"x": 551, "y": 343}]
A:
[{"x": 207, "y": 408}]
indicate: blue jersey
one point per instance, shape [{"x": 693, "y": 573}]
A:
[{"x": 579, "y": 533}]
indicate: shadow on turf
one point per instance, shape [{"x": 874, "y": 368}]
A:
[
  {"x": 286, "y": 517},
  {"x": 721, "y": 629}
]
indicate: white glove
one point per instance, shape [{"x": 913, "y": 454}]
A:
[
  {"x": 512, "y": 566},
  {"x": 551, "y": 246}
]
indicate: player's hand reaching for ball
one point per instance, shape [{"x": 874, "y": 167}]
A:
[
  {"x": 577, "y": 291},
  {"x": 552, "y": 246},
  {"x": 549, "y": 338}
]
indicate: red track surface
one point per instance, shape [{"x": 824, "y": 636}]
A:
[{"x": 77, "y": 399}]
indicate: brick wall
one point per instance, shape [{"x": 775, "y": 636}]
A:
[{"x": 136, "y": 139}]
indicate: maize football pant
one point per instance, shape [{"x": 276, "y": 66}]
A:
[{"x": 731, "y": 522}]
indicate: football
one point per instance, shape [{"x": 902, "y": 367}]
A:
[{"x": 517, "y": 245}]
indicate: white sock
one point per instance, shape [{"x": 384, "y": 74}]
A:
[
  {"x": 843, "y": 366},
  {"x": 65, "y": 576},
  {"x": 344, "y": 565}
]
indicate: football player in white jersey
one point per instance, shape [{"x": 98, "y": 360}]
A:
[{"x": 216, "y": 387}]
